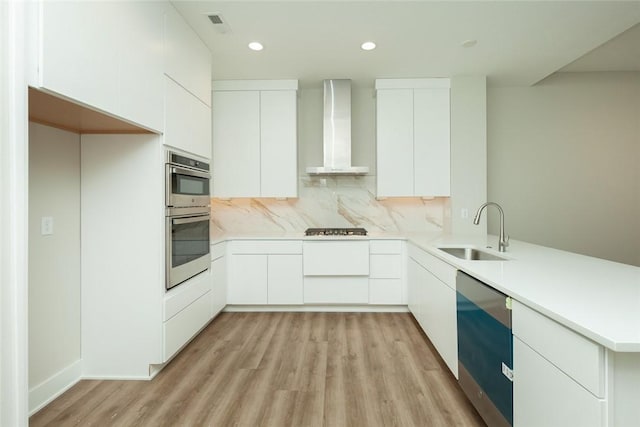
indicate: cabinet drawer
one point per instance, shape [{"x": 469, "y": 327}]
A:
[
  {"x": 385, "y": 266},
  {"x": 385, "y": 246},
  {"x": 336, "y": 258},
  {"x": 266, "y": 247},
  {"x": 385, "y": 291},
  {"x": 181, "y": 296},
  {"x": 336, "y": 290},
  {"x": 575, "y": 355},
  {"x": 443, "y": 271},
  {"x": 545, "y": 396},
  {"x": 183, "y": 326}
]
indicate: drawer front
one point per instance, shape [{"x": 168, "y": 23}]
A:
[
  {"x": 385, "y": 291},
  {"x": 336, "y": 290},
  {"x": 267, "y": 247},
  {"x": 336, "y": 258},
  {"x": 385, "y": 246},
  {"x": 385, "y": 266},
  {"x": 575, "y": 355},
  {"x": 545, "y": 396},
  {"x": 183, "y": 326},
  {"x": 181, "y": 296}
]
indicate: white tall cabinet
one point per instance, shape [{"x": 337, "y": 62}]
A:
[
  {"x": 413, "y": 137},
  {"x": 255, "y": 138}
]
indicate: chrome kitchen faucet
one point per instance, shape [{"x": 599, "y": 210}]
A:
[{"x": 503, "y": 239}]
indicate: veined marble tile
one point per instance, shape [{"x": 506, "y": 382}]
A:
[{"x": 340, "y": 201}]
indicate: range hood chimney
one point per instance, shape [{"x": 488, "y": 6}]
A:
[{"x": 336, "y": 131}]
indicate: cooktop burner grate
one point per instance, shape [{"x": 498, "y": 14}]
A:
[{"x": 335, "y": 232}]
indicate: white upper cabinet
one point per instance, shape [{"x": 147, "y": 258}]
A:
[
  {"x": 278, "y": 144},
  {"x": 187, "y": 59},
  {"x": 255, "y": 139},
  {"x": 187, "y": 121},
  {"x": 236, "y": 144},
  {"x": 413, "y": 137},
  {"x": 106, "y": 55}
]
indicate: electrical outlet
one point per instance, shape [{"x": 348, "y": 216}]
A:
[
  {"x": 464, "y": 213},
  {"x": 46, "y": 225}
]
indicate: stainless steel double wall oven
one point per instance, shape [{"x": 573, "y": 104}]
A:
[{"x": 187, "y": 218}]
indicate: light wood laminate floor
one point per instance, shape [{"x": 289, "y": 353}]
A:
[{"x": 283, "y": 369}]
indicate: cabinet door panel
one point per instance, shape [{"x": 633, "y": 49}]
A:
[
  {"x": 278, "y": 144},
  {"x": 440, "y": 321},
  {"x": 188, "y": 121},
  {"x": 141, "y": 76},
  {"x": 187, "y": 59},
  {"x": 545, "y": 396},
  {"x": 219, "y": 284},
  {"x": 79, "y": 51},
  {"x": 236, "y": 144},
  {"x": 431, "y": 118},
  {"x": 395, "y": 142},
  {"x": 285, "y": 279},
  {"x": 248, "y": 284},
  {"x": 385, "y": 291}
]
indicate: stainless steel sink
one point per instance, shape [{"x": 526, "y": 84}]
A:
[{"x": 472, "y": 254}]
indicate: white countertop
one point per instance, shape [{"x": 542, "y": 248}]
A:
[{"x": 597, "y": 298}]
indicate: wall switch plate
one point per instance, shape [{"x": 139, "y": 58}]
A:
[
  {"x": 46, "y": 225},
  {"x": 464, "y": 213}
]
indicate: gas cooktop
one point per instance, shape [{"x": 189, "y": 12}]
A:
[{"x": 335, "y": 232}]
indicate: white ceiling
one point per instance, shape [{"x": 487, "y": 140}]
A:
[{"x": 518, "y": 42}]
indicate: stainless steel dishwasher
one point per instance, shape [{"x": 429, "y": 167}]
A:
[{"x": 485, "y": 349}]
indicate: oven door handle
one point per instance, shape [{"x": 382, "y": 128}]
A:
[
  {"x": 190, "y": 172},
  {"x": 189, "y": 220}
]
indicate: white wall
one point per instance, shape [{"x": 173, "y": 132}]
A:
[
  {"x": 54, "y": 261},
  {"x": 564, "y": 162},
  {"x": 468, "y": 152}
]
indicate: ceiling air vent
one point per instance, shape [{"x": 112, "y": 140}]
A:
[{"x": 219, "y": 23}]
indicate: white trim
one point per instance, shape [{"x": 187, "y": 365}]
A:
[
  {"x": 319, "y": 308},
  {"x": 430, "y": 83},
  {"x": 221, "y": 85},
  {"x": 48, "y": 390},
  {"x": 13, "y": 216}
]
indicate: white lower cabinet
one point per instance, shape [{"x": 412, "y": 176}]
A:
[
  {"x": 187, "y": 309},
  {"x": 386, "y": 273},
  {"x": 263, "y": 272},
  {"x": 248, "y": 279},
  {"x": 559, "y": 375},
  {"x": 432, "y": 301},
  {"x": 543, "y": 395},
  {"x": 284, "y": 279},
  {"x": 218, "y": 278},
  {"x": 179, "y": 330},
  {"x": 336, "y": 272}
]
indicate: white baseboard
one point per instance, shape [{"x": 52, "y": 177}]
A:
[
  {"x": 321, "y": 308},
  {"x": 42, "y": 394}
]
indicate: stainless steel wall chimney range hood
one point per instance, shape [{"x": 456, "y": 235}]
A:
[{"x": 336, "y": 133}]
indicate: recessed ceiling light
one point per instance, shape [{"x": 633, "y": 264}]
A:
[
  {"x": 256, "y": 46},
  {"x": 469, "y": 43},
  {"x": 368, "y": 46}
]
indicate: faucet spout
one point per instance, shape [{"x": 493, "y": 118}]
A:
[{"x": 503, "y": 239}]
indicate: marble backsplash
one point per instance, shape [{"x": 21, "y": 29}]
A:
[{"x": 339, "y": 201}]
